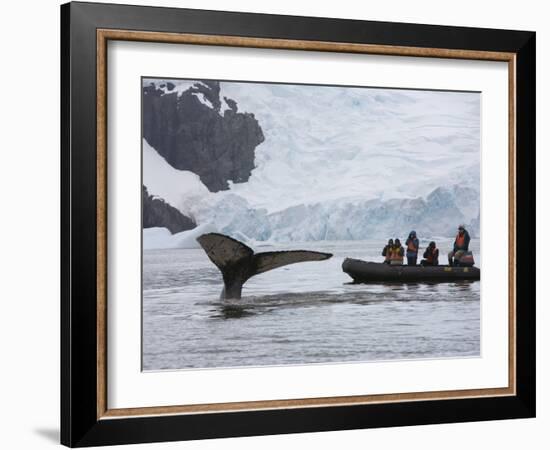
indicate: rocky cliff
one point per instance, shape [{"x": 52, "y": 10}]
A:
[
  {"x": 190, "y": 130},
  {"x": 158, "y": 213}
]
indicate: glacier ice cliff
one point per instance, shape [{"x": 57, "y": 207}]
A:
[{"x": 345, "y": 219}]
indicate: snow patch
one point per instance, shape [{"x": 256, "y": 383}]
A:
[
  {"x": 180, "y": 86},
  {"x": 179, "y": 188},
  {"x": 161, "y": 238},
  {"x": 200, "y": 96}
]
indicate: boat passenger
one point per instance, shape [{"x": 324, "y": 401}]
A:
[
  {"x": 431, "y": 255},
  {"x": 460, "y": 247},
  {"x": 386, "y": 252},
  {"x": 412, "y": 248},
  {"x": 397, "y": 253}
]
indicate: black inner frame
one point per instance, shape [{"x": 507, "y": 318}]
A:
[{"x": 79, "y": 423}]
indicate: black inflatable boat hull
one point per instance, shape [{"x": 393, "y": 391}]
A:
[{"x": 370, "y": 272}]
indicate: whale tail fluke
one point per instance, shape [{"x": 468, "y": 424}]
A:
[
  {"x": 237, "y": 262},
  {"x": 273, "y": 260},
  {"x": 224, "y": 251}
]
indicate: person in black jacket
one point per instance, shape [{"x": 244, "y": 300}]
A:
[{"x": 386, "y": 252}]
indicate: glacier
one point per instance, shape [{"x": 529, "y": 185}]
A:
[
  {"x": 339, "y": 163},
  {"x": 324, "y": 143},
  {"x": 437, "y": 215}
]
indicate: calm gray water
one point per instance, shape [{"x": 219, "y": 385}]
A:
[{"x": 302, "y": 313}]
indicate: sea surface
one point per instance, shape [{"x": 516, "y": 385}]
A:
[{"x": 300, "y": 314}]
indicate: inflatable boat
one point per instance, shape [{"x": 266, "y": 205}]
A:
[{"x": 371, "y": 272}]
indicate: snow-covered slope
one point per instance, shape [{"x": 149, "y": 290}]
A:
[
  {"x": 161, "y": 238},
  {"x": 179, "y": 188},
  {"x": 322, "y": 143}
]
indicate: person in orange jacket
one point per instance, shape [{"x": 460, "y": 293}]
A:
[
  {"x": 460, "y": 246},
  {"x": 431, "y": 255},
  {"x": 397, "y": 253},
  {"x": 412, "y": 244}
]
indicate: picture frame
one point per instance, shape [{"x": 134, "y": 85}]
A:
[{"x": 86, "y": 29}]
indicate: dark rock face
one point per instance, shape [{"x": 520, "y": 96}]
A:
[
  {"x": 193, "y": 136},
  {"x": 231, "y": 103},
  {"x": 158, "y": 213}
]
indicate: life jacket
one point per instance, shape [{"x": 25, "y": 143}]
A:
[
  {"x": 460, "y": 240},
  {"x": 395, "y": 254},
  {"x": 433, "y": 255},
  {"x": 411, "y": 247}
]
